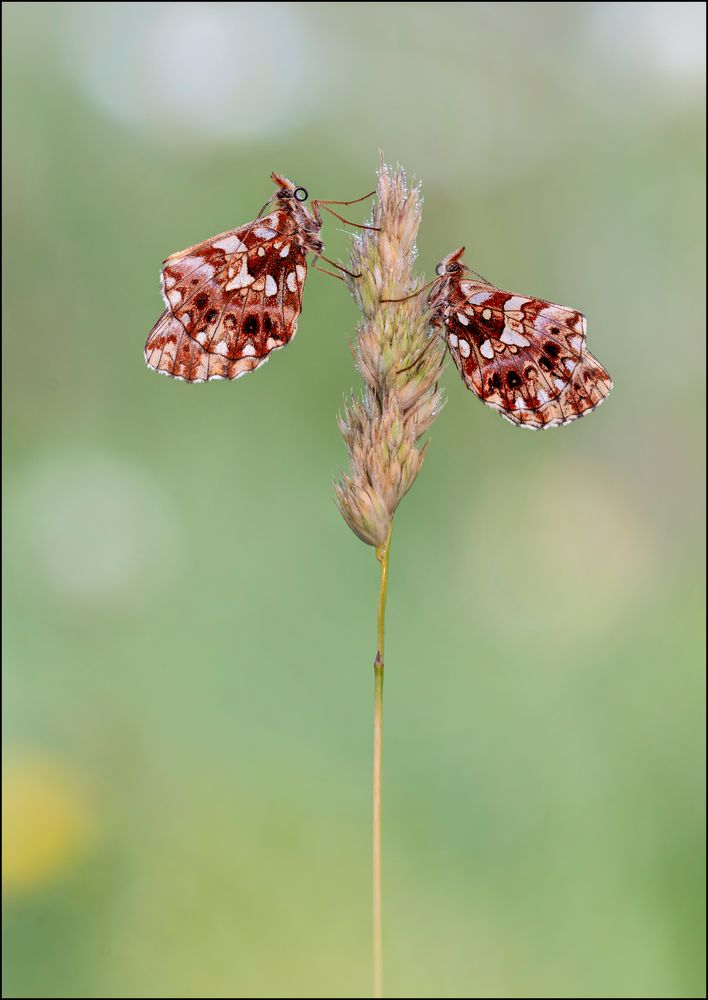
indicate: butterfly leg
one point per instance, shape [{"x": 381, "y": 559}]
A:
[
  {"x": 348, "y": 222},
  {"x": 413, "y": 294},
  {"x": 340, "y": 267},
  {"x": 325, "y": 271},
  {"x": 422, "y": 354},
  {"x": 354, "y": 201}
]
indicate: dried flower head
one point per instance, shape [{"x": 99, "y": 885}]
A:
[{"x": 400, "y": 359}]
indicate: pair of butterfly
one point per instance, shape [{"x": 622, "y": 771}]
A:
[{"x": 234, "y": 299}]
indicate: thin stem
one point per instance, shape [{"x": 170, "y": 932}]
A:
[{"x": 382, "y": 554}]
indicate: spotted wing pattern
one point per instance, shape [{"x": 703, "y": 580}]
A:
[
  {"x": 231, "y": 301},
  {"x": 522, "y": 356}
]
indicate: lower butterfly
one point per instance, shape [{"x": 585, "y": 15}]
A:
[
  {"x": 234, "y": 299},
  {"x": 524, "y": 357}
]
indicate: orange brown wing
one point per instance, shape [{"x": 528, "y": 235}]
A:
[
  {"x": 231, "y": 301},
  {"x": 524, "y": 357}
]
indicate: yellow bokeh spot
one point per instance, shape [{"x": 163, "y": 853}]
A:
[{"x": 47, "y": 826}]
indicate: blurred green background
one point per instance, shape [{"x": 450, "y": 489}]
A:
[{"x": 190, "y": 625}]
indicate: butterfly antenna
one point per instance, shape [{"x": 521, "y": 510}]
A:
[
  {"x": 480, "y": 276},
  {"x": 260, "y": 214}
]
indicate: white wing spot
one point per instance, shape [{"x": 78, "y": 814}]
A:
[
  {"x": 248, "y": 349},
  {"x": 577, "y": 343},
  {"x": 452, "y": 339},
  {"x": 510, "y": 336},
  {"x": 230, "y": 244},
  {"x": 285, "y": 251},
  {"x": 265, "y": 233},
  {"x": 570, "y": 364},
  {"x": 487, "y": 313},
  {"x": 270, "y": 286},
  {"x": 474, "y": 293},
  {"x": 205, "y": 270},
  {"x": 542, "y": 396},
  {"x": 520, "y": 404},
  {"x": 560, "y": 383},
  {"x": 487, "y": 350},
  {"x": 261, "y": 253},
  {"x": 242, "y": 279},
  {"x": 175, "y": 297},
  {"x": 464, "y": 348},
  {"x": 463, "y": 319},
  {"x": 220, "y": 348},
  {"x": 290, "y": 281},
  {"x": 300, "y": 272}
]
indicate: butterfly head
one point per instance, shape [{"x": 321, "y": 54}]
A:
[
  {"x": 451, "y": 265},
  {"x": 290, "y": 197},
  {"x": 287, "y": 190}
]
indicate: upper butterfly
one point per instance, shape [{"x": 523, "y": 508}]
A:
[
  {"x": 235, "y": 298},
  {"x": 524, "y": 357}
]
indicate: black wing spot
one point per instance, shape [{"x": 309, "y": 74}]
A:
[
  {"x": 545, "y": 363},
  {"x": 211, "y": 315},
  {"x": 201, "y": 300},
  {"x": 554, "y": 329},
  {"x": 495, "y": 381},
  {"x": 268, "y": 323},
  {"x": 552, "y": 350},
  {"x": 251, "y": 324},
  {"x": 513, "y": 380}
]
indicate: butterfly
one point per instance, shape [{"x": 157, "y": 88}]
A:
[
  {"x": 524, "y": 357},
  {"x": 234, "y": 299}
]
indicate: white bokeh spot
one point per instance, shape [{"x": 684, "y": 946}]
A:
[
  {"x": 216, "y": 71},
  {"x": 96, "y": 526}
]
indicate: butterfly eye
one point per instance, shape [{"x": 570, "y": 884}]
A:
[{"x": 300, "y": 194}]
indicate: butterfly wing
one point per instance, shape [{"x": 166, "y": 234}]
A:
[
  {"x": 524, "y": 357},
  {"x": 171, "y": 351},
  {"x": 231, "y": 301}
]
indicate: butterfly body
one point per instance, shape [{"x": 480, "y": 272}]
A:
[
  {"x": 234, "y": 299},
  {"x": 525, "y": 357}
]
